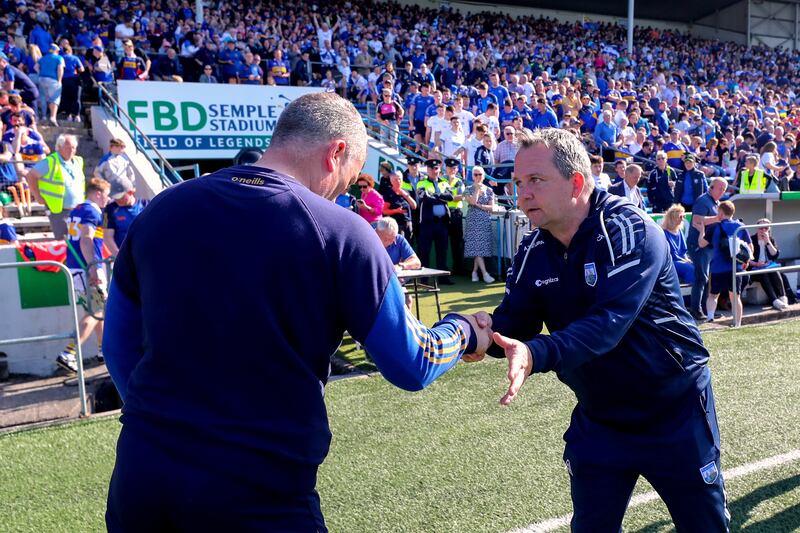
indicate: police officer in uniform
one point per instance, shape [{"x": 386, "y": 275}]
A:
[
  {"x": 411, "y": 177},
  {"x": 598, "y": 274},
  {"x": 456, "y": 206},
  {"x": 434, "y": 194}
]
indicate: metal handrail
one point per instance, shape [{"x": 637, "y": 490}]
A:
[
  {"x": 169, "y": 176},
  {"x": 75, "y": 334},
  {"x": 743, "y": 273},
  {"x": 195, "y": 167}
]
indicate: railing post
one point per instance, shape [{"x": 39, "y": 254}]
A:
[
  {"x": 75, "y": 322},
  {"x": 734, "y": 290}
]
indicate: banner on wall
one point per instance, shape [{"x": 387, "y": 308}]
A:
[{"x": 206, "y": 120}]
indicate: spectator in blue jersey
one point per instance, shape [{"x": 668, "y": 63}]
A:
[
  {"x": 251, "y": 73},
  {"x": 417, "y": 112},
  {"x": 691, "y": 184},
  {"x": 543, "y": 115},
  {"x": 704, "y": 213},
  {"x": 280, "y": 69},
  {"x": 606, "y": 134},
  {"x": 120, "y": 213},
  {"x": 51, "y": 74},
  {"x": 500, "y": 93},
  {"x": 672, "y": 224},
  {"x": 72, "y": 90},
  {"x": 242, "y": 450},
  {"x": 715, "y": 237},
  {"x": 84, "y": 251},
  {"x": 25, "y": 143},
  {"x": 644, "y": 380},
  {"x": 130, "y": 65},
  {"x": 484, "y": 99}
]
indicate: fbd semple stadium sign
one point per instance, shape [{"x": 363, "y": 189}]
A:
[{"x": 206, "y": 121}]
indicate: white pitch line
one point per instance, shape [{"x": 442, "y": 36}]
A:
[{"x": 743, "y": 470}]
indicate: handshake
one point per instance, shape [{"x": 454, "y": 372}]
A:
[{"x": 519, "y": 356}]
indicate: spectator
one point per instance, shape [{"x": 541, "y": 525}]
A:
[
  {"x": 752, "y": 180},
  {"x": 231, "y": 60},
  {"x": 484, "y": 156},
  {"x": 661, "y": 184},
  {"x": 280, "y": 68},
  {"x": 84, "y": 256},
  {"x": 72, "y": 90},
  {"x": 62, "y": 190},
  {"x": 478, "y": 230},
  {"x": 601, "y": 179},
  {"x": 51, "y": 73},
  {"x": 26, "y": 144},
  {"x": 673, "y": 230},
  {"x": 208, "y": 75},
  {"x": 399, "y": 202},
  {"x": 101, "y": 67},
  {"x": 452, "y": 139},
  {"x": 629, "y": 187},
  {"x": 115, "y": 165},
  {"x": 690, "y": 185},
  {"x": 168, "y": 67},
  {"x": 131, "y": 66},
  {"x": 120, "y": 213},
  {"x": 390, "y": 112},
  {"x": 606, "y": 134},
  {"x": 396, "y": 244},
  {"x": 765, "y": 255},
  {"x": 370, "y": 204},
  {"x": 506, "y": 149},
  {"x": 770, "y": 164},
  {"x": 716, "y": 236},
  {"x": 704, "y": 213}
]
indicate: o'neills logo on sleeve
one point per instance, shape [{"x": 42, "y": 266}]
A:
[{"x": 248, "y": 181}]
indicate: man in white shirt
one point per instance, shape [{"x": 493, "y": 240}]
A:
[
  {"x": 629, "y": 187},
  {"x": 436, "y": 125},
  {"x": 464, "y": 116},
  {"x": 490, "y": 119},
  {"x": 452, "y": 139},
  {"x": 472, "y": 143}
]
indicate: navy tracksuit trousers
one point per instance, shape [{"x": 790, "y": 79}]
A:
[{"x": 679, "y": 457}]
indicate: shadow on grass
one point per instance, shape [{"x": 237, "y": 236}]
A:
[{"x": 786, "y": 520}]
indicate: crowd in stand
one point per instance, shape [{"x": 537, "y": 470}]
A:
[{"x": 673, "y": 115}]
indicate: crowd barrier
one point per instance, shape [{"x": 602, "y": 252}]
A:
[
  {"x": 74, "y": 334},
  {"x": 735, "y": 274}
]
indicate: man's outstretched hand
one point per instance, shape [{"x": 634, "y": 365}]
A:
[{"x": 520, "y": 365}]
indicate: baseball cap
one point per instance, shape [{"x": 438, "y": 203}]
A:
[
  {"x": 53, "y": 48},
  {"x": 119, "y": 187},
  {"x": 98, "y": 48},
  {"x": 690, "y": 157}
]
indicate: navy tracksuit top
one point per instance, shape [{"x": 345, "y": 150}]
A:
[{"x": 619, "y": 334}]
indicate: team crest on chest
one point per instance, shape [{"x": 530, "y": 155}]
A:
[{"x": 590, "y": 274}]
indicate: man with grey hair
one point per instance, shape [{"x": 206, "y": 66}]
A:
[
  {"x": 58, "y": 182},
  {"x": 629, "y": 186},
  {"x": 224, "y": 423},
  {"x": 597, "y": 272}
]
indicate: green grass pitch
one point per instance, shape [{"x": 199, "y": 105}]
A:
[{"x": 450, "y": 458}]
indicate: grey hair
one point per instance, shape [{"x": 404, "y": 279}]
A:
[
  {"x": 631, "y": 169},
  {"x": 64, "y": 137},
  {"x": 387, "y": 225},
  {"x": 569, "y": 154},
  {"x": 319, "y": 118}
]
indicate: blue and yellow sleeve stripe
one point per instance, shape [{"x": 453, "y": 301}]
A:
[{"x": 409, "y": 354}]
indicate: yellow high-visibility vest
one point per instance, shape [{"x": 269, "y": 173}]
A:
[{"x": 52, "y": 186}]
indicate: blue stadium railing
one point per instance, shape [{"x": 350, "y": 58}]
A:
[{"x": 169, "y": 175}]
